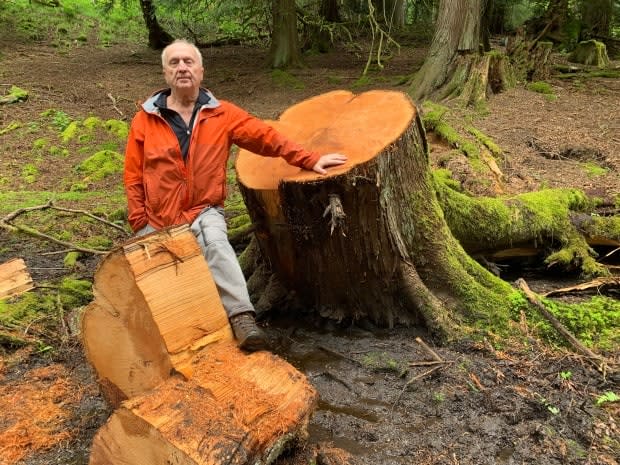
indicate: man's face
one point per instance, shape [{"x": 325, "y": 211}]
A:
[{"x": 182, "y": 69}]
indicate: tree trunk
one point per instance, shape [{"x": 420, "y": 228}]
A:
[
  {"x": 454, "y": 65},
  {"x": 368, "y": 240},
  {"x": 285, "y": 51},
  {"x": 158, "y": 37},
  {"x": 159, "y": 340}
]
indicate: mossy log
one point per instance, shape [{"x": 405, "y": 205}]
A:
[
  {"x": 159, "y": 340},
  {"x": 556, "y": 224},
  {"x": 369, "y": 239}
]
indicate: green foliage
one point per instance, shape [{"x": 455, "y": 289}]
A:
[
  {"x": 57, "y": 118},
  {"x": 73, "y": 23},
  {"x": 30, "y": 173},
  {"x": 542, "y": 88},
  {"x": 606, "y": 398},
  {"x": 596, "y": 322}
]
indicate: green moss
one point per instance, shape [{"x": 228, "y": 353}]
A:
[
  {"x": 71, "y": 259},
  {"x": 117, "y": 127},
  {"x": 593, "y": 170},
  {"x": 99, "y": 242},
  {"x": 544, "y": 214},
  {"x": 58, "y": 151},
  {"x": 596, "y": 322},
  {"x": 486, "y": 141},
  {"x": 283, "y": 79},
  {"x": 541, "y": 87},
  {"x": 433, "y": 119},
  {"x": 92, "y": 122},
  {"x": 12, "y": 126},
  {"x": 101, "y": 165},
  {"x": 69, "y": 132},
  {"x": 16, "y": 94},
  {"x": 362, "y": 81}
]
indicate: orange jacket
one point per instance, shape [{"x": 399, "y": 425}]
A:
[{"x": 163, "y": 190}]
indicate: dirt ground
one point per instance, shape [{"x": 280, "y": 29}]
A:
[{"x": 380, "y": 403}]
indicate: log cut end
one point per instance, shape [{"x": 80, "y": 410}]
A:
[
  {"x": 238, "y": 409},
  {"x": 155, "y": 306},
  {"x": 358, "y": 126}
]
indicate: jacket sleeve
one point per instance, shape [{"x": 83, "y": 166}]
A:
[
  {"x": 255, "y": 135},
  {"x": 133, "y": 176}
]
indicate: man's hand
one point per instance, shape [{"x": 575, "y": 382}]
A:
[{"x": 330, "y": 159}]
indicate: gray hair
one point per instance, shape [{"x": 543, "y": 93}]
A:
[{"x": 184, "y": 42}]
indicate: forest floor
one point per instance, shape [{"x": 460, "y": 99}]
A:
[{"x": 493, "y": 402}]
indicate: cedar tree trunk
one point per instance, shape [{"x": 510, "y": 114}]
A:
[
  {"x": 285, "y": 51},
  {"x": 158, "y": 37},
  {"x": 369, "y": 239}
]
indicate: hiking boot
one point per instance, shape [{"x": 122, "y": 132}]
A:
[{"x": 249, "y": 336}]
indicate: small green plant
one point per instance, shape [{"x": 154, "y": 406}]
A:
[
  {"x": 59, "y": 119},
  {"x": 30, "y": 173},
  {"x": 566, "y": 375},
  {"x": 438, "y": 397},
  {"x": 606, "y": 398}
]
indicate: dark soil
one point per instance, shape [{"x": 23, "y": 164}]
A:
[{"x": 380, "y": 403}]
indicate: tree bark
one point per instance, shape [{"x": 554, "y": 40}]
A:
[
  {"x": 369, "y": 239},
  {"x": 158, "y": 37},
  {"x": 454, "y": 67},
  {"x": 285, "y": 51}
]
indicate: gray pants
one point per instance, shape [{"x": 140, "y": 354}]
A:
[{"x": 211, "y": 233}]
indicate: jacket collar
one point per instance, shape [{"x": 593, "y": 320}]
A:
[{"x": 205, "y": 98}]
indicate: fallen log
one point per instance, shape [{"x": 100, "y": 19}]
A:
[{"x": 159, "y": 340}]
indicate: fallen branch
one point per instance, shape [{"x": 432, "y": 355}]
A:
[
  {"x": 432, "y": 353},
  {"x": 6, "y": 223},
  {"x": 597, "y": 360},
  {"x": 114, "y": 104},
  {"x": 598, "y": 283}
]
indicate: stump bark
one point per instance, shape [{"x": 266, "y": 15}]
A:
[
  {"x": 368, "y": 240},
  {"x": 159, "y": 340}
]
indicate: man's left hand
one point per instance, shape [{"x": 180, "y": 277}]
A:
[{"x": 330, "y": 159}]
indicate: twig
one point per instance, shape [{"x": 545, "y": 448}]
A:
[
  {"x": 560, "y": 328},
  {"x": 114, "y": 104},
  {"x": 410, "y": 382},
  {"x": 432, "y": 353}
]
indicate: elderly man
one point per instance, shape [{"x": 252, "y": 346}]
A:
[{"x": 175, "y": 172}]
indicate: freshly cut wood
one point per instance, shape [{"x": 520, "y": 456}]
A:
[
  {"x": 339, "y": 240},
  {"x": 237, "y": 409},
  {"x": 160, "y": 342},
  {"x": 155, "y": 305},
  {"x": 14, "y": 278}
]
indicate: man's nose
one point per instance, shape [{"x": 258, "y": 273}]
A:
[{"x": 183, "y": 65}]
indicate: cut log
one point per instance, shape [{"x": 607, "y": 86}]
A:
[
  {"x": 237, "y": 409},
  {"x": 160, "y": 342},
  {"x": 14, "y": 278},
  {"x": 158, "y": 304}
]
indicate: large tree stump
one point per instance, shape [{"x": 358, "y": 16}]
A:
[
  {"x": 367, "y": 240},
  {"x": 159, "y": 340}
]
